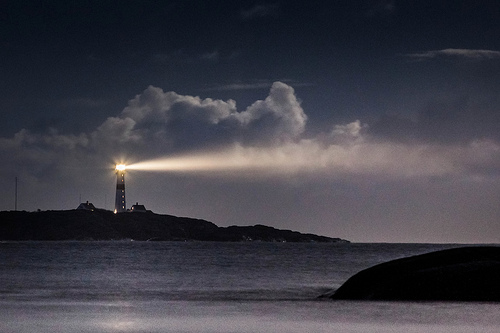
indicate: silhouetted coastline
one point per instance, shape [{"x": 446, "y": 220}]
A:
[{"x": 145, "y": 226}]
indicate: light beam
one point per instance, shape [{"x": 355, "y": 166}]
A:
[
  {"x": 308, "y": 156},
  {"x": 234, "y": 159}
]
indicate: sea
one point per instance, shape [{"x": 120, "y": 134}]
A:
[{"x": 130, "y": 286}]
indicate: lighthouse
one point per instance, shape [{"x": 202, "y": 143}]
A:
[{"x": 120, "y": 189}]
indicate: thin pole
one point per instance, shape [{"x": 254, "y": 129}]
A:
[{"x": 15, "y": 202}]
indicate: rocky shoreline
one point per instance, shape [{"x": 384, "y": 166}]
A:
[{"x": 459, "y": 274}]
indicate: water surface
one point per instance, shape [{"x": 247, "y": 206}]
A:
[{"x": 210, "y": 287}]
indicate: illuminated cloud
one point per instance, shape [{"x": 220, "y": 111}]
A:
[
  {"x": 155, "y": 106},
  {"x": 266, "y": 139},
  {"x": 277, "y": 118},
  {"x": 350, "y": 133},
  {"x": 116, "y": 131},
  {"x": 190, "y": 122}
]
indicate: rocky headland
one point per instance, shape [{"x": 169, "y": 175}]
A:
[
  {"x": 140, "y": 226},
  {"x": 459, "y": 274}
]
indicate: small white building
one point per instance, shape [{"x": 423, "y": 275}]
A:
[
  {"x": 138, "y": 208},
  {"x": 86, "y": 206}
]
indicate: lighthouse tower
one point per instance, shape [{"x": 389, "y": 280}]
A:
[{"x": 120, "y": 205}]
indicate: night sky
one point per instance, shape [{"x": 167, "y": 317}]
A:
[{"x": 373, "y": 121}]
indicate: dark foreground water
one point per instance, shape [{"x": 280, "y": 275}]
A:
[{"x": 211, "y": 287}]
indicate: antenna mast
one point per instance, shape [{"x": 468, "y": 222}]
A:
[{"x": 15, "y": 201}]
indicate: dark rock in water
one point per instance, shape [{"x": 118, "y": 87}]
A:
[
  {"x": 460, "y": 274},
  {"x": 101, "y": 224}
]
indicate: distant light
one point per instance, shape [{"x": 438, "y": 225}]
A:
[{"x": 120, "y": 167}]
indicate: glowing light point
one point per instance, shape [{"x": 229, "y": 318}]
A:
[{"x": 120, "y": 205}]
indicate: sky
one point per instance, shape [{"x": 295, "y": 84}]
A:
[{"x": 372, "y": 121}]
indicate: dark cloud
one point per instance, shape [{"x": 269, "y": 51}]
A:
[
  {"x": 446, "y": 121},
  {"x": 395, "y": 128},
  {"x": 259, "y": 11},
  {"x": 256, "y": 85},
  {"x": 456, "y": 53},
  {"x": 241, "y": 86},
  {"x": 382, "y": 8}
]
